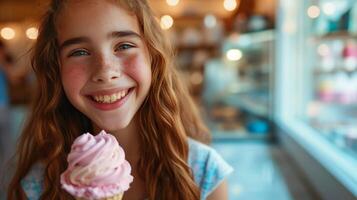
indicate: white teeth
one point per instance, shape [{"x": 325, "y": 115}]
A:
[
  {"x": 110, "y": 98},
  {"x": 113, "y": 98},
  {"x": 106, "y": 99}
]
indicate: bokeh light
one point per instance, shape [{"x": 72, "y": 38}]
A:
[
  {"x": 234, "y": 54},
  {"x": 210, "y": 21},
  {"x": 329, "y": 8},
  {"x": 166, "y": 22},
  {"x": 32, "y": 33},
  {"x": 230, "y": 5},
  {"x": 313, "y": 12},
  {"x": 172, "y": 2},
  {"x": 7, "y": 33}
]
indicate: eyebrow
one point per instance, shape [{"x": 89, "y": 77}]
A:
[
  {"x": 73, "y": 41},
  {"x": 114, "y": 34},
  {"x": 119, "y": 34}
]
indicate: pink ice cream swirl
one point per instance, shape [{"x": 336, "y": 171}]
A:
[{"x": 96, "y": 167}]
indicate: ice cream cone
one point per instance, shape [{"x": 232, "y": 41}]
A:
[
  {"x": 116, "y": 197},
  {"x": 102, "y": 156}
]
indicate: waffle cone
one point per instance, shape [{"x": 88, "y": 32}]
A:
[{"x": 116, "y": 197}]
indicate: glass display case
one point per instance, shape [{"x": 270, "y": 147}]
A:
[
  {"x": 238, "y": 91},
  {"x": 317, "y": 82}
]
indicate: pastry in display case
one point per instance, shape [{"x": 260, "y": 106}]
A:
[
  {"x": 316, "y": 91},
  {"x": 332, "y": 109}
]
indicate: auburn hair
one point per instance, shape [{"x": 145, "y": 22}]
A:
[{"x": 167, "y": 117}]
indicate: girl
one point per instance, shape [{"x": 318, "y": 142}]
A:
[{"x": 106, "y": 65}]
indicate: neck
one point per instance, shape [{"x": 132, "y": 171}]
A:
[{"x": 128, "y": 139}]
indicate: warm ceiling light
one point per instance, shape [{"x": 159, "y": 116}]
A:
[
  {"x": 230, "y": 5},
  {"x": 166, "y": 22},
  {"x": 234, "y": 54},
  {"x": 32, "y": 33},
  {"x": 172, "y": 2},
  {"x": 7, "y": 33},
  {"x": 313, "y": 12}
]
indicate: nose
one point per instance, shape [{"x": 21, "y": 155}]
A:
[{"x": 106, "y": 70}]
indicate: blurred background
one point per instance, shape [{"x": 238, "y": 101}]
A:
[{"x": 276, "y": 82}]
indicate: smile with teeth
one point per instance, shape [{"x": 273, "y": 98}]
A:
[{"x": 110, "y": 98}]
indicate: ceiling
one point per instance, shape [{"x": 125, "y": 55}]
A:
[
  {"x": 191, "y": 7},
  {"x": 22, "y": 10}
]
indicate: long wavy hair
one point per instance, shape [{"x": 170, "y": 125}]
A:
[{"x": 167, "y": 117}]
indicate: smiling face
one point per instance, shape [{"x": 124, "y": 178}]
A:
[{"x": 104, "y": 62}]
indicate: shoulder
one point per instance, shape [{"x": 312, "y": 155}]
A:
[
  {"x": 33, "y": 181},
  {"x": 208, "y": 167}
]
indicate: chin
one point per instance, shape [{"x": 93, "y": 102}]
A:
[{"x": 113, "y": 126}]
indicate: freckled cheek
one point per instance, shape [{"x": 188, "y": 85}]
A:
[
  {"x": 138, "y": 68},
  {"x": 74, "y": 78}
]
